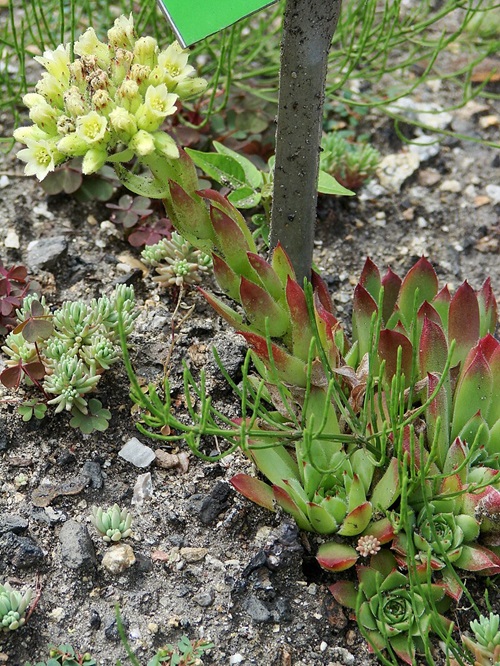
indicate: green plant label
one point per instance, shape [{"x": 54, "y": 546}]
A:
[{"x": 192, "y": 20}]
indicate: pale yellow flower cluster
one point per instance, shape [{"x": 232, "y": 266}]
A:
[{"x": 108, "y": 104}]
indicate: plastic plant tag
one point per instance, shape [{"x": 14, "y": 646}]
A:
[{"x": 193, "y": 20}]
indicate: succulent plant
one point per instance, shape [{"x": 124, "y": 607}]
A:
[
  {"x": 113, "y": 524},
  {"x": 106, "y": 105},
  {"x": 13, "y": 606},
  {"x": 65, "y": 353},
  {"x": 484, "y": 646},
  {"x": 350, "y": 163},
  {"x": 392, "y": 612},
  {"x": 176, "y": 261}
]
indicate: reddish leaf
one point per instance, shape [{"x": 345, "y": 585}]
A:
[
  {"x": 267, "y": 276},
  {"x": 370, "y": 279},
  {"x": 321, "y": 290},
  {"x": 11, "y": 377},
  {"x": 433, "y": 350},
  {"x": 420, "y": 278},
  {"x": 363, "y": 309},
  {"x": 255, "y": 490},
  {"x": 334, "y": 556},
  {"x": 290, "y": 369},
  {"x": 463, "y": 322},
  {"x": 389, "y": 343},
  {"x": 487, "y": 308},
  {"x": 282, "y": 265},
  {"x": 391, "y": 284},
  {"x": 226, "y": 278},
  {"x": 302, "y": 332},
  {"x": 231, "y": 240},
  {"x": 263, "y": 311},
  {"x": 190, "y": 217}
]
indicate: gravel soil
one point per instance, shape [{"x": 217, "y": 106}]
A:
[{"x": 208, "y": 563}]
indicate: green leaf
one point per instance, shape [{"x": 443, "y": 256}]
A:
[
  {"x": 143, "y": 185},
  {"x": 222, "y": 168},
  {"x": 253, "y": 175},
  {"x": 329, "y": 185},
  {"x": 244, "y": 197},
  {"x": 97, "y": 418}
]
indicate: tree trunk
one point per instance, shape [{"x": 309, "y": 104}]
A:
[{"x": 307, "y": 34}]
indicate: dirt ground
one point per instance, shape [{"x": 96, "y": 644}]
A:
[{"x": 209, "y": 564}]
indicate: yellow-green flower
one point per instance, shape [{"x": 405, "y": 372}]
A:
[
  {"x": 123, "y": 123},
  {"x": 121, "y": 35},
  {"x": 41, "y": 157},
  {"x": 94, "y": 159},
  {"x": 146, "y": 52},
  {"x": 57, "y": 63},
  {"x": 92, "y": 127},
  {"x": 158, "y": 104},
  {"x": 90, "y": 45},
  {"x": 142, "y": 143}
]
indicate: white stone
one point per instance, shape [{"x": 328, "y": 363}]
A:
[
  {"x": 493, "y": 191},
  {"x": 12, "y": 239},
  {"x": 118, "y": 558},
  {"x": 394, "y": 169},
  {"x": 137, "y": 453},
  {"x": 143, "y": 489}
]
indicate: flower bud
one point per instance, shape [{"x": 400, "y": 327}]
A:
[
  {"x": 190, "y": 87},
  {"x": 128, "y": 95},
  {"x": 94, "y": 159},
  {"x": 50, "y": 88},
  {"x": 90, "y": 44},
  {"x": 65, "y": 125},
  {"x": 121, "y": 35},
  {"x": 45, "y": 116},
  {"x": 77, "y": 72},
  {"x": 56, "y": 63},
  {"x": 30, "y": 133},
  {"x": 158, "y": 104},
  {"x": 92, "y": 127},
  {"x": 146, "y": 52},
  {"x": 139, "y": 73},
  {"x": 74, "y": 102},
  {"x": 120, "y": 66},
  {"x": 98, "y": 79},
  {"x": 72, "y": 145},
  {"x": 31, "y": 99},
  {"x": 142, "y": 143},
  {"x": 102, "y": 102},
  {"x": 123, "y": 123},
  {"x": 165, "y": 145}
]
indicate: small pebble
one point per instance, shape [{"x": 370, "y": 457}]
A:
[
  {"x": 137, "y": 453},
  {"x": 118, "y": 558}
]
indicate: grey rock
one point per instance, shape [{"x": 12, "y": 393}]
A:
[
  {"x": 21, "y": 552},
  {"x": 257, "y": 610},
  {"x": 45, "y": 253},
  {"x": 204, "y": 599},
  {"x": 65, "y": 458},
  {"x": 215, "y": 503},
  {"x": 77, "y": 549},
  {"x": 137, "y": 453},
  {"x": 12, "y": 523},
  {"x": 92, "y": 471},
  {"x": 111, "y": 630},
  {"x": 4, "y": 438},
  {"x": 143, "y": 489},
  {"x": 95, "y": 620}
]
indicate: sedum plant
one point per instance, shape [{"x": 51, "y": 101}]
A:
[
  {"x": 485, "y": 645},
  {"x": 13, "y": 607},
  {"x": 65, "y": 353},
  {"x": 350, "y": 163},
  {"x": 113, "y": 524},
  {"x": 176, "y": 261}
]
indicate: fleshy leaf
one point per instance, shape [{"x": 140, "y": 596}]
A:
[
  {"x": 263, "y": 311},
  {"x": 463, "y": 322},
  {"x": 389, "y": 342},
  {"x": 421, "y": 277},
  {"x": 334, "y": 556},
  {"x": 473, "y": 392},
  {"x": 255, "y": 490}
]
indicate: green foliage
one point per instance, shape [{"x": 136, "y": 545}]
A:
[
  {"x": 65, "y": 655},
  {"x": 350, "y": 163},
  {"x": 113, "y": 524},
  {"x": 250, "y": 186},
  {"x": 68, "y": 178},
  {"x": 64, "y": 354},
  {"x": 176, "y": 261},
  {"x": 184, "y": 653},
  {"x": 13, "y": 607}
]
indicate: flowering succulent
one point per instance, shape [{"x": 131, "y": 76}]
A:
[
  {"x": 393, "y": 613},
  {"x": 350, "y": 163},
  {"x": 176, "y": 261},
  {"x": 113, "y": 524},
  {"x": 69, "y": 350},
  {"x": 108, "y": 104},
  {"x": 13, "y": 606}
]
